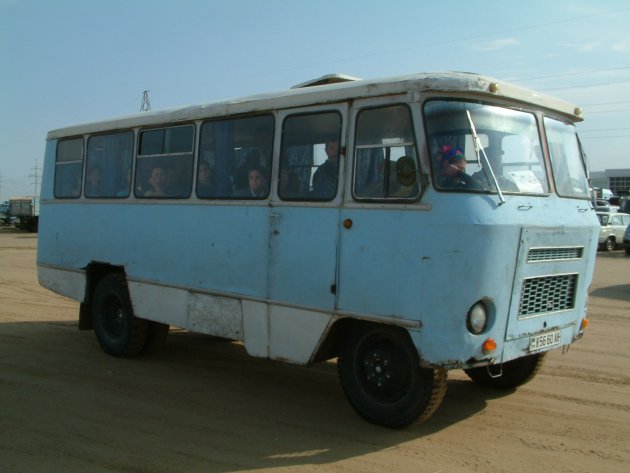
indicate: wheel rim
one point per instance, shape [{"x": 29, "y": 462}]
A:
[
  {"x": 384, "y": 371},
  {"x": 610, "y": 245},
  {"x": 114, "y": 316}
]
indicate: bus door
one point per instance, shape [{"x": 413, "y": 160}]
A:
[
  {"x": 381, "y": 227},
  {"x": 304, "y": 226}
]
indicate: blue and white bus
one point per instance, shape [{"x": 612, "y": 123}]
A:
[{"x": 405, "y": 226}]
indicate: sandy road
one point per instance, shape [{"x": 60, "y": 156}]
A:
[{"x": 202, "y": 405}]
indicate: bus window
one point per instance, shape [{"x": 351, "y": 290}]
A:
[
  {"x": 235, "y": 158},
  {"x": 69, "y": 168},
  {"x": 108, "y": 165},
  {"x": 509, "y": 154},
  {"x": 566, "y": 160},
  {"x": 309, "y": 158},
  {"x": 165, "y": 163},
  {"x": 385, "y": 165}
]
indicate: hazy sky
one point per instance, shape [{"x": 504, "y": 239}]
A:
[{"x": 65, "y": 62}]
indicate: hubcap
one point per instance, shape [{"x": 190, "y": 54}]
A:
[{"x": 385, "y": 373}]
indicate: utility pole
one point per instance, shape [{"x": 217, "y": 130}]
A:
[
  {"x": 146, "y": 104},
  {"x": 36, "y": 177}
]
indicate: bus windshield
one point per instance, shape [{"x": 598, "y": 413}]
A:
[{"x": 476, "y": 147}]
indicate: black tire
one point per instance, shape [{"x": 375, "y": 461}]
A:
[
  {"x": 118, "y": 331},
  {"x": 609, "y": 244},
  {"x": 627, "y": 251},
  {"x": 512, "y": 373},
  {"x": 381, "y": 376}
]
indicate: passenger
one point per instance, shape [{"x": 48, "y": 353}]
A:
[
  {"x": 241, "y": 177},
  {"x": 257, "y": 184},
  {"x": 157, "y": 183},
  {"x": 259, "y": 156},
  {"x": 484, "y": 177},
  {"x": 406, "y": 177},
  {"x": 93, "y": 182},
  {"x": 452, "y": 169},
  {"x": 326, "y": 176},
  {"x": 289, "y": 186},
  {"x": 205, "y": 186}
]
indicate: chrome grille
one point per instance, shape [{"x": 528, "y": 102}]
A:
[
  {"x": 547, "y": 294},
  {"x": 554, "y": 254}
]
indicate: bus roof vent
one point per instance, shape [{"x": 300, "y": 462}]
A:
[{"x": 325, "y": 80}]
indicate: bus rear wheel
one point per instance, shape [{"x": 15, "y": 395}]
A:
[
  {"x": 512, "y": 373},
  {"x": 118, "y": 331},
  {"x": 381, "y": 376}
]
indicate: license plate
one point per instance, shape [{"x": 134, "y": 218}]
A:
[{"x": 544, "y": 340}]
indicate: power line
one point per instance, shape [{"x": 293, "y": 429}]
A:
[
  {"x": 575, "y": 73},
  {"x": 603, "y": 129}
]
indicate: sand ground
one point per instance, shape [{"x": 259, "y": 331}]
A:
[{"x": 200, "y": 404}]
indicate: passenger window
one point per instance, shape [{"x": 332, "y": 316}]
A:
[
  {"x": 108, "y": 165},
  {"x": 69, "y": 168},
  {"x": 309, "y": 158},
  {"x": 385, "y": 162},
  {"x": 165, "y": 163},
  {"x": 235, "y": 158}
]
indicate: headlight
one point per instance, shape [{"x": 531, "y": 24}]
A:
[{"x": 477, "y": 318}]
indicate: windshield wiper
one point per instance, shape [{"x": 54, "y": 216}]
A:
[{"x": 478, "y": 147}]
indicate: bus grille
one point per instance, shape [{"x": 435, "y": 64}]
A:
[
  {"x": 547, "y": 294},
  {"x": 554, "y": 254}
]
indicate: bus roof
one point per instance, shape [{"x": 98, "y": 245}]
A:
[{"x": 330, "y": 92}]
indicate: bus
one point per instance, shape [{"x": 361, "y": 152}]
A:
[{"x": 401, "y": 227}]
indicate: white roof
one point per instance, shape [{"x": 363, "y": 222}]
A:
[{"x": 337, "y": 91}]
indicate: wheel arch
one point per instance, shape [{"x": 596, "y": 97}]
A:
[
  {"x": 334, "y": 338},
  {"x": 94, "y": 272}
]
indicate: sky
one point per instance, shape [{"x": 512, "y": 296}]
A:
[{"x": 64, "y": 62}]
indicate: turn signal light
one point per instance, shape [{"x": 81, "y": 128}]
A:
[
  {"x": 584, "y": 324},
  {"x": 489, "y": 346}
]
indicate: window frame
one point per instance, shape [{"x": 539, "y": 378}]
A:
[{"x": 139, "y": 168}]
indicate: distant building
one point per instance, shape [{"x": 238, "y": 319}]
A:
[{"x": 617, "y": 180}]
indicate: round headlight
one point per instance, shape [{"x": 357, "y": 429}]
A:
[{"x": 477, "y": 318}]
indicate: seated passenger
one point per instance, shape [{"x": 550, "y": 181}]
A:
[
  {"x": 205, "y": 184},
  {"x": 326, "y": 176},
  {"x": 452, "y": 169},
  {"x": 289, "y": 186},
  {"x": 406, "y": 177},
  {"x": 93, "y": 182},
  {"x": 257, "y": 184},
  {"x": 484, "y": 177},
  {"x": 157, "y": 183}
]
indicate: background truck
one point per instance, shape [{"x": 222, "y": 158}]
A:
[{"x": 26, "y": 209}]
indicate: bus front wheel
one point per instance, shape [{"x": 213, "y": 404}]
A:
[
  {"x": 512, "y": 373},
  {"x": 382, "y": 378},
  {"x": 118, "y": 331}
]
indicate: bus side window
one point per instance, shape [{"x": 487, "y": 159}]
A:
[
  {"x": 385, "y": 164},
  {"x": 309, "y": 158},
  {"x": 108, "y": 165},
  {"x": 232, "y": 150},
  {"x": 69, "y": 168},
  {"x": 165, "y": 162}
]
